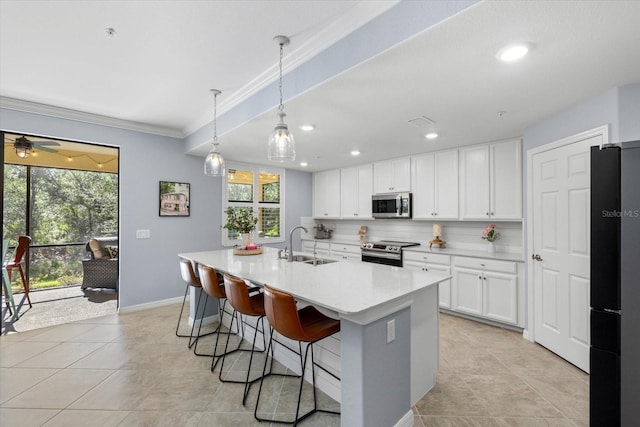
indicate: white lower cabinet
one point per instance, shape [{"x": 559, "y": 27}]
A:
[
  {"x": 467, "y": 291},
  {"x": 487, "y": 288},
  {"x": 335, "y": 250},
  {"x": 343, "y": 251},
  {"x": 432, "y": 262}
]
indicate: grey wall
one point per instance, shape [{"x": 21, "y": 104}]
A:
[
  {"x": 149, "y": 267},
  {"x": 298, "y": 199},
  {"x": 629, "y": 112}
]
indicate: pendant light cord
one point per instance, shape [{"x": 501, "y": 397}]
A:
[
  {"x": 215, "y": 119},
  {"x": 281, "y": 106}
]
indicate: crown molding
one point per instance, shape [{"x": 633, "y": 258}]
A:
[
  {"x": 81, "y": 116},
  {"x": 331, "y": 32}
]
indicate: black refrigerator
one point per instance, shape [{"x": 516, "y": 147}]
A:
[{"x": 614, "y": 381}]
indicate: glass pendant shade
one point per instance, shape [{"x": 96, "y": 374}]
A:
[
  {"x": 22, "y": 147},
  {"x": 214, "y": 163},
  {"x": 281, "y": 143},
  {"x": 23, "y": 152}
]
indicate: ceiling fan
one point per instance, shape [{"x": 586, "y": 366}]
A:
[{"x": 24, "y": 147}]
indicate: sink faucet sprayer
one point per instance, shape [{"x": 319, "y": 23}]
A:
[{"x": 290, "y": 257}]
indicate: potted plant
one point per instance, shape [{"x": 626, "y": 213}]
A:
[{"x": 242, "y": 221}]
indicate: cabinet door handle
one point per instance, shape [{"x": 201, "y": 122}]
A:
[
  {"x": 536, "y": 257},
  {"x": 480, "y": 277},
  {"x": 488, "y": 214}
]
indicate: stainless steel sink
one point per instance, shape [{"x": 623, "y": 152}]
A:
[{"x": 311, "y": 260}]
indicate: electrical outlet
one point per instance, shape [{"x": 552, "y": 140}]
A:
[
  {"x": 143, "y": 234},
  {"x": 391, "y": 330}
]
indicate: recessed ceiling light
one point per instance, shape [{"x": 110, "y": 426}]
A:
[
  {"x": 514, "y": 52},
  {"x": 303, "y": 164},
  {"x": 307, "y": 128},
  {"x": 431, "y": 135},
  {"x": 355, "y": 153}
]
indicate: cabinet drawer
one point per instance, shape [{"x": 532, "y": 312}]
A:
[
  {"x": 486, "y": 264},
  {"x": 350, "y": 249},
  {"x": 427, "y": 257}
]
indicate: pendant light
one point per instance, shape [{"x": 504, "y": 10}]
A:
[
  {"x": 281, "y": 143},
  {"x": 214, "y": 163},
  {"x": 23, "y": 147}
]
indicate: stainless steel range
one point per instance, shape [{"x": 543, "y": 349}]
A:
[{"x": 384, "y": 252}]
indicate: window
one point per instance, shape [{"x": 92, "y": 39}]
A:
[{"x": 259, "y": 189}]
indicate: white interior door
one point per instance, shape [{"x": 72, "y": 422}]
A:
[{"x": 561, "y": 243}]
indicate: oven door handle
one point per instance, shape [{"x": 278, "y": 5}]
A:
[{"x": 380, "y": 254}]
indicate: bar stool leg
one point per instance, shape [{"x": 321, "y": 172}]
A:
[
  {"x": 181, "y": 310},
  {"x": 192, "y": 339},
  {"x": 218, "y": 331},
  {"x": 303, "y": 364}
]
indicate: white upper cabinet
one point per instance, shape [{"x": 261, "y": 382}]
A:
[
  {"x": 356, "y": 190},
  {"x": 326, "y": 194},
  {"x": 506, "y": 180},
  {"x": 392, "y": 176},
  {"x": 491, "y": 181},
  {"x": 434, "y": 181}
]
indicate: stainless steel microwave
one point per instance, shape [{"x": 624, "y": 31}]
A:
[{"x": 392, "y": 205}]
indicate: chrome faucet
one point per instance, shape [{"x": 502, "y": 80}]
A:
[{"x": 290, "y": 257}]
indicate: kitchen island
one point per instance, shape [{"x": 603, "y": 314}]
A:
[{"x": 388, "y": 348}]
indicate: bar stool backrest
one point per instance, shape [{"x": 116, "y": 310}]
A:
[
  {"x": 210, "y": 283},
  {"x": 238, "y": 295},
  {"x": 188, "y": 275},
  {"x": 282, "y": 314}
]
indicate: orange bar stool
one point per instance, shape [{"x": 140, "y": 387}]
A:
[
  {"x": 244, "y": 302},
  {"x": 21, "y": 250},
  {"x": 305, "y": 325},
  {"x": 211, "y": 284},
  {"x": 190, "y": 278}
]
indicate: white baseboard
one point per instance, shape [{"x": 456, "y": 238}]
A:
[
  {"x": 148, "y": 305},
  {"x": 155, "y": 304},
  {"x": 526, "y": 336},
  {"x": 406, "y": 420}
]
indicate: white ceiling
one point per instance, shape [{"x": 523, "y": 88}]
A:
[{"x": 56, "y": 53}]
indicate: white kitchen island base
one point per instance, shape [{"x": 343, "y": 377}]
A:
[{"x": 387, "y": 352}]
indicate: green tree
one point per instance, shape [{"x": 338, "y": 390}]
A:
[{"x": 67, "y": 206}]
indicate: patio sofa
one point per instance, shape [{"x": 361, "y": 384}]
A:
[{"x": 100, "y": 267}]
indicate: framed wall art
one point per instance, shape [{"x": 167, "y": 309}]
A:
[{"x": 175, "y": 198}]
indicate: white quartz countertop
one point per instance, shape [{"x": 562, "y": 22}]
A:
[{"x": 347, "y": 287}]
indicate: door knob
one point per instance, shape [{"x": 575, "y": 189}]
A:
[{"x": 536, "y": 257}]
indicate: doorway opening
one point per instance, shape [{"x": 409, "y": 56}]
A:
[{"x": 61, "y": 194}]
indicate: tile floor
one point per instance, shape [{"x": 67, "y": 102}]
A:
[{"x": 131, "y": 370}]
